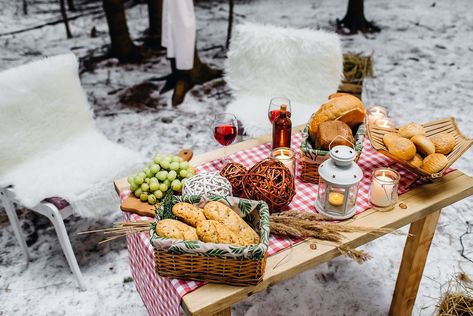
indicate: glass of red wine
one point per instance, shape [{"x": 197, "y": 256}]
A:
[
  {"x": 225, "y": 131},
  {"x": 274, "y": 108}
]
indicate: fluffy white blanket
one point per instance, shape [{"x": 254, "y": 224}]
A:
[
  {"x": 265, "y": 61},
  {"x": 49, "y": 145}
]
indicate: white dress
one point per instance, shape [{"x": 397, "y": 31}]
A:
[{"x": 179, "y": 31}]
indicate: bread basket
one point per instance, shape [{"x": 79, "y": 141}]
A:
[
  {"x": 212, "y": 262},
  {"x": 448, "y": 125}
]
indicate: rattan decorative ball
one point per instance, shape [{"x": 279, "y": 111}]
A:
[
  {"x": 206, "y": 183},
  {"x": 234, "y": 173},
  {"x": 269, "y": 180}
]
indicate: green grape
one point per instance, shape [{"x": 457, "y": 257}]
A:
[
  {"x": 147, "y": 172},
  {"x": 165, "y": 164},
  {"x": 158, "y": 194},
  {"x": 131, "y": 180},
  {"x": 145, "y": 187},
  {"x": 174, "y": 165},
  {"x": 144, "y": 197},
  {"x": 183, "y": 173},
  {"x": 176, "y": 159},
  {"x": 153, "y": 179},
  {"x": 162, "y": 175},
  {"x": 168, "y": 158},
  {"x": 157, "y": 159},
  {"x": 154, "y": 168},
  {"x": 134, "y": 186},
  {"x": 163, "y": 187},
  {"x": 152, "y": 199},
  {"x": 183, "y": 181},
  {"x": 147, "y": 180},
  {"x": 138, "y": 192},
  {"x": 142, "y": 174},
  {"x": 167, "y": 182},
  {"x": 139, "y": 179},
  {"x": 184, "y": 165},
  {"x": 172, "y": 175},
  {"x": 176, "y": 185},
  {"x": 154, "y": 186}
]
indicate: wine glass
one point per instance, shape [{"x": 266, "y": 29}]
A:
[
  {"x": 225, "y": 131},
  {"x": 274, "y": 108}
]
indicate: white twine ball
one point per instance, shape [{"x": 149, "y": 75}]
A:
[{"x": 206, "y": 183}]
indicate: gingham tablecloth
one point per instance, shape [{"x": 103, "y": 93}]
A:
[{"x": 162, "y": 296}]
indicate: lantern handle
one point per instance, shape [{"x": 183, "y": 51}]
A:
[{"x": 343, "y": 137}]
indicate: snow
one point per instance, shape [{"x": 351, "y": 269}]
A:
[{"x": 423, "y": 72}]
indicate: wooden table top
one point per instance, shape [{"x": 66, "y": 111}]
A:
[{"x": 420, "y": 202}]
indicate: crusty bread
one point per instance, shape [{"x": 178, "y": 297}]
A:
[
  {"x": 334, "y": 133},
  {"x": 444, "y": 143},
  {"x": 400, "y": 147},
  {"x": 188, "y": 213},
  {"x": 416, "y": 161},
  {"x": 434, "y": 163},
  {"x": 411, "y": 129},
  {"x": 171, "y": 228},
  {"x": 213, "y": 231},
  {"x": 341, "y": 106},
  {"x": 423, "y": 144}
]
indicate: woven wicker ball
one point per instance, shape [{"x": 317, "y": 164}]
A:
[
  {"x": 269, "y": 180},
  {"x": 206, "y": 183},
  {"x": 234, "y": 173}
]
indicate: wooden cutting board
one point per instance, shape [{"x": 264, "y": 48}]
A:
[{"x": 134, "y": 205}]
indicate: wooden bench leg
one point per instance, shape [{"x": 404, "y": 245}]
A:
[
  {"x": 224, "y": 312},
  {"x": 412, "y": 264}
]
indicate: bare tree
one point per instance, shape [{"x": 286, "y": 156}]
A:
[
  {"x": 230, "y": 22},
  {"x": 70, "y": 5},
  {"x": 25, "y": 7},
  {"x": 155, "y": 16},
  {"x": 65, "y": 19},
  {"x": 122, "y": 46},
  {"x": 355, "y": 20}
]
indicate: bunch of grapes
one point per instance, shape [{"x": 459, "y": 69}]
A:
[{"x": 162, "y": 174}]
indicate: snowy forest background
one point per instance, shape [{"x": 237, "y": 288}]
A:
[{"x": 422, "y": 64}]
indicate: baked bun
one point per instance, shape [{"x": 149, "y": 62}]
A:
[
  {"x": 341, "y": 106},
  {"x": 444, "y": 143},
  {"x": 416, "y": 161},
  {"x": 334, "y": 133},
  {"x": 410, "y": 130},
  {"x": 434, "y": 163},
  {"x": 400, "y": 147},
  {"x": 423, "y": 144}
]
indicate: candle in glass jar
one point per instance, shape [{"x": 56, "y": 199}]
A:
[
  {"x": 384, "y": 186},
  {"x": 385, "y": 122},
  {"x": 286, "y": 156},
  {"x": 378, "y": 110},
  {"x": 372, "y": 118}
]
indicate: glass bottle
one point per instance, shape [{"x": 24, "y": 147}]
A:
[{"x": 282, "y": 128}]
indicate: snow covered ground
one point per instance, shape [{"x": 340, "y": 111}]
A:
[{"x": 423, "y": 72}]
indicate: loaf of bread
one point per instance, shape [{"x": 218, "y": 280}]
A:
[
  {"x": 188, "y": 213},
  {"x": 334, "y": 133},
  {"x": 444, "y": 143},
  {"x": 423, "y": 144},
  {"x": 342, "y": 107},
  {"x": 400, "y": 147},
  {"x": 225, "y": 215},
  {"x": 410, "y": 130},
  {"x": 416, "y": 161},
  {"x": 213, "y": 231},
  {"x": 434, "y": 163},
  {"x": 171, "y": 228}
]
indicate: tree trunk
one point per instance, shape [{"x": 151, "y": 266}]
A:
[
  {"x": 155, "y": 16},
  {"x": 122, "y": 46},
  {"x": 70, "y": 5},
  {"x": 65, "y": 19},
  {"x": 183, "y": 80},
  {"x": 355, "y": 20},
  {"x": 230, "y": 22},
  {"x": 25, "y": 7}
]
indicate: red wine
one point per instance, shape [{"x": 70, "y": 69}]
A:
[
  {"x": 225, "y": 134},
  {"x": 274, "y": 114}
]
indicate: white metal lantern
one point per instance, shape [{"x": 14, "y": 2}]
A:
[{"x": 339, "y": 181}]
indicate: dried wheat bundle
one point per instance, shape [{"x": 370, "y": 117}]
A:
[
  {"x": 356, "y": 67},
  {"x": 458, "y": 299},
  {"x": 121, "y": 229}
]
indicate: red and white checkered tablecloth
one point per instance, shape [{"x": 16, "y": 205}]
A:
[{"x": 162, "y": 296}]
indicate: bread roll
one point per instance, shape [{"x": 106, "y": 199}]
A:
[
  {"x": 341, "y": 106},
  {"x": 335, "y": 133},
  {"x": 416, "y": 161},
  {"x": 434, "y": 163},
  {"x": 400, "y": 147},
  {"x": 410, "y": 130},
  {"x": 225, "y": 215},
  {"x": 171, "y": 228},
  {"x": 444, "y": 143},
  {"x": 213, "y": 231},
  {"x": 188, "y": 213},
  {"x": 423, "y": 144}
]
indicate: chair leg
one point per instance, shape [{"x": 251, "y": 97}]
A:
[
  {"x": 11, "y": 213},
  {"x": 56, "y": 218}
]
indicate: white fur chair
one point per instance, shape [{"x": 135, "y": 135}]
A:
[
  {"x": 49, "y": 147},
  {"x": 265, "y": 61}
]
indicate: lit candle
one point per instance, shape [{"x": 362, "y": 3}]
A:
[
  {"x": 384, "y": 185},
  {"x": 385, "y": 122},
  {"x": 336, "y": 198},
  {"x": 378, "y": 110},
  {"x": 287, "y": 157}
]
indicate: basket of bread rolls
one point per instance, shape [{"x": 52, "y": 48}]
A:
[
  {"x": 211, "y": 238},
  {"x": 426, "y": 149},
  {"x": 340, "y": 121}
]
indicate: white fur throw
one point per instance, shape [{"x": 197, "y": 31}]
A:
[
  {"x": 49, "y": 145},
  {"x": 265, "y": 61}
]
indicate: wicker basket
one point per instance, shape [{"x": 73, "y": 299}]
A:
[
  {"x": 354, "y": 87},
  {"x": 311, "y": 158},
  {"x": 217, "y": 263},
  {"x": 449, "y": 125}
]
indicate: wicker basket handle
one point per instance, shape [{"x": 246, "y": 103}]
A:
[{"x": 342, "y": 137}]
